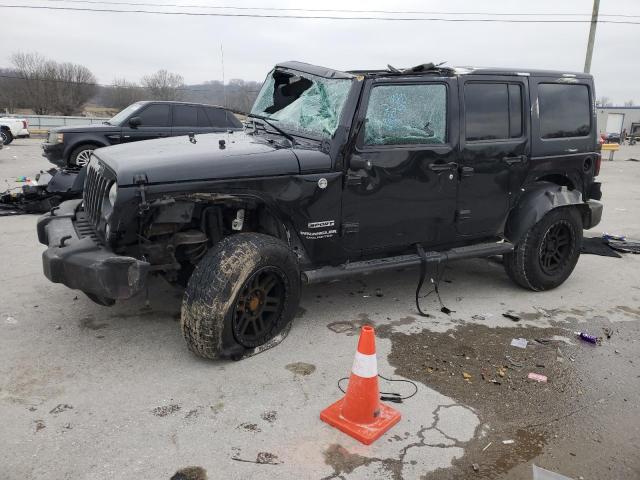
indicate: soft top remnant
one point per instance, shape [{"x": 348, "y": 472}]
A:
[{"x": 315, "y": 70}]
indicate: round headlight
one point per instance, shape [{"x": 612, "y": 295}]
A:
[{"x": 113, "y": 193}]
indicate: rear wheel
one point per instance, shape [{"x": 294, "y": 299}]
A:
[
  {"x": 241, "y": 296},
  {"x": 549, "y": 251},
  {"x": 6, "y": 136},
  {"x": 81, "y": 155}
]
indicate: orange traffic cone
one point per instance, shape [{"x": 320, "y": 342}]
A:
[{"x": 359, "y": 413}]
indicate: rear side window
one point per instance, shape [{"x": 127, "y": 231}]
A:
[
  {"x": 407, "y": 114},
  {"x": 156, "y": 115},
  {"x": 203, "y": 120},
  {"x": 493, "y": 111},
  {"x": 565, "y": 110},
  {"x": 221, "y": 118},
  {"x": 185, "y": 116}
]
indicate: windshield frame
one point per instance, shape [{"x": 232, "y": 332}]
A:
[{"x": 307, "y": 74}]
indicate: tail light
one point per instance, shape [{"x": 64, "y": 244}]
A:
[
  {"x": 24, "y": 124},
  {"x": 596, "y": 170}
]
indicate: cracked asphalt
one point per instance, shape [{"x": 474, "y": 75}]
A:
[{"x": 89, "y": 392}]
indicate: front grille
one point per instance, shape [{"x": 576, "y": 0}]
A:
[{"x": 96, "y": 188}]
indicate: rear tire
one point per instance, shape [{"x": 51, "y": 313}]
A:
[
  {"x": 244, "y": 292},
  {"x": 81, "y": 155},
  {"x": 6, "y": 136},
  {"x": 547, "y": 254}
]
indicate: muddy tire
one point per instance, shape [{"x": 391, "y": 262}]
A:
[
  {"x": 6, "y": 137},
  {"x": 81, "y": 155},
  {"x": 548, "y": 252},
  {"x": 244, "y": 293}
]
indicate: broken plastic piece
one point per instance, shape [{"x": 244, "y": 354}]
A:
[
  {"x": 537, "y": 377},
  {"x": 587, "y": 338},
  {"x": 508, "y": 442},
  {"x": 542, "y": 474},
  {"x": 519, "y": 342}
]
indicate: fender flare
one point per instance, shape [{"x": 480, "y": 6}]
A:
[{"x": 538, "y": 200}]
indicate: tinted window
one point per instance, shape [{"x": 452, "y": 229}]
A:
[
  {"x": 407, "y": 114},
  {"x": 155, "y": 116},
  {"x": 493, "y": 111},
  {"x": 185, "y": 116},
  {"x": 515, "y": 111},
  {"x": 487, "y": 111},
  {"x": 203, "y": 120},
  {"x": 564, "y": 110},
  {"x": 221, "y": 118}
]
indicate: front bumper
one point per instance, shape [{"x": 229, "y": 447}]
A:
[
  {"x": 54, "y": 152},
  {"x": 595, "y": 214},
  {"x": 81, "y": 262}
]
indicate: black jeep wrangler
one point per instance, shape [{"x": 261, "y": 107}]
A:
[{"x": 336, "y": 174}]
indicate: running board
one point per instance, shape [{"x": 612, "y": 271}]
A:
[{"x": 327, "y": 274}]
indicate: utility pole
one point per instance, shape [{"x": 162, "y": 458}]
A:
[{"x": 592, "y": 35}]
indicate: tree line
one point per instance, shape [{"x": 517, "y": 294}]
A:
[{"x": 48, "y": 87}]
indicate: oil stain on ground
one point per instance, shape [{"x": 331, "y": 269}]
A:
[
  {"x": 352, "y": 327},
  {"x": 301, "y": 368},
  {"x": 190, "y": 473}
]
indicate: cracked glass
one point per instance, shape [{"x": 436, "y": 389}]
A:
[
  {"x": 407, "y": 114},
  {"x": 303, "y": 103}
]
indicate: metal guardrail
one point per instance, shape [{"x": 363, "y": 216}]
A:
[{"x": 43, "y": 123}]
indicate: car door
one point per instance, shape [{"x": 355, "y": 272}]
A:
[
  {"x": 408, "y": 136},
  {"x": 494, "y": 150},
  {"x": 155, "y": 122},
  {"x": 189, "y": 118}
]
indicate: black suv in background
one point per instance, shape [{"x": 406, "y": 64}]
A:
[
  {"x": 72, "y": 146},
  {"x": 338, "y": 174}
]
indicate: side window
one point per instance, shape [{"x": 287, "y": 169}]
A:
[
  {"x": 155, "y": 115},
  {"x": 203, "y": 120},
  {"x": 493, "y": 111},
  {"x": 185, "y": 116},
  {"x": 220, "y": 117},
  {"x": 515, "y": 110},
  {"x": 565, "y": 110},
  {"x": 407, "y": 114}
]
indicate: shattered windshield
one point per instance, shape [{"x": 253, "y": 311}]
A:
[{"x": 302, "y": 103}]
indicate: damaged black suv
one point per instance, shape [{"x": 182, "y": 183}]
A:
[{"x": 335, "y": 174}]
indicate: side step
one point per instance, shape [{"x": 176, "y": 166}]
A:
[{"x": 327, "y": 274}]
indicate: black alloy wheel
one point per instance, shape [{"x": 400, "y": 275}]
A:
[
  {"x": 555, "y": 248},
  {"x": 258, "y": 307}
]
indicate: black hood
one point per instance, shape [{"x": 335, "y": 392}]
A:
[
  {"x": 90, "y": 127},
  {"x": 176, "y": 159}
]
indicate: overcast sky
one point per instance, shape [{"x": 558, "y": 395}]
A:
[{"x": 131, "y": 45}]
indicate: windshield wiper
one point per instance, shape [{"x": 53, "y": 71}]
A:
[
  {"x": 106, "y": 123},
  {"x": 268, "y": 121}
]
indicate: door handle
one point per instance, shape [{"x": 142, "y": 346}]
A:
[
  {"x": 515, "y": 159},
  {"x": 466, "y": 172},
  {"x": 443, "y": 167},
  {"x": 163, "y": 134}
]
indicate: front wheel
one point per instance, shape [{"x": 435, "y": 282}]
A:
[
  {"x": 6, "y": 137},
  {"x": 81, "y": 155},
  {"x": 548, "y": 252},
  {"x": 241, "y": 297}
]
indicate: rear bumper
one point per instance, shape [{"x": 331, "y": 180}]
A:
[
  {"x": 81, "y": 262},
  {"x": 594, "y": 214},
  {"x": 54, "y": 152}
]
